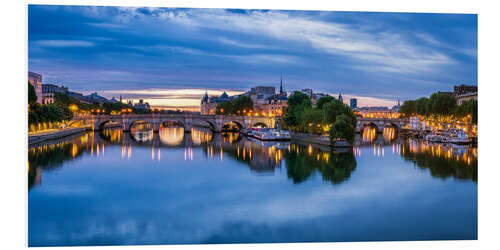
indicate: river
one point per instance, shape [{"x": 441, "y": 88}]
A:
[{"x": 171, "y": 187}]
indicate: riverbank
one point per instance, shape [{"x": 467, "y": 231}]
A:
[
  {"x": 61, "y": 133},
  {"x": 55, "y": 134},
  {"x": 310, "y": 138}
]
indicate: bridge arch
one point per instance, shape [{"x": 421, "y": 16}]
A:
[
  {"x": 259, "y": 124},
  {"x": 205, "y": 123},
  {"x": 369, "y": 124},
  {"x": 392, "y": 124},
  {"x": 173, "y": 121},
  {"x": 226, "y": 124},
  {"x": 102, "y": 123},
  {"x": 135, "y": 122}
]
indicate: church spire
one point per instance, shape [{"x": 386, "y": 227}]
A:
[{"x": 281, "y": 84}]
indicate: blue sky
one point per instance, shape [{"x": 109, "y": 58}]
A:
[{"x": 170, "y": 56}]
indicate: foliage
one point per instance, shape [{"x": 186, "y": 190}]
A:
[
  {"x": 408, "y": 108},
  {"x": 109, "y": 107},
  {"x": 468, "y": 107},
  {"x": 311, "y": 121},
  {"x": 335, "y": 108},
  {"x": 239, "y": 105},
  {"x": 422, "y": 106},
  {"x": 323, "y": 100},
  {"x": 298, "y": 102},
  {"x": 45, "y": 113},
  {"x": 301, "y": 117},
  {"x": 442, "y": 103},
  {"x": 31, "y": 94},
  {"x": 342, "y": 129}
]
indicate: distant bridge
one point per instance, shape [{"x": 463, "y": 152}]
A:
[
  {"x": 381, "y": 123},
  {"x": 214, "y": 122}
]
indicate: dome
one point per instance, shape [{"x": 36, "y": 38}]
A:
[{"x": 224, "y": 95}]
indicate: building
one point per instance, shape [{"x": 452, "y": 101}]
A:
[
  {"x": 464, "y": 89},
  {"x": 36, "y": 80},
  {"x": 378, "y": 112},
  {"x": 273, "y": 104},
  {"x": 266, "y": 102},
  {"x": 465, "y": 97},
  {"x": 49, "y": 90},
  {"x": 415, "y": 123},
  {"x": 141, "y": 105},
  {"x": 260, "y": 94},
  {"x": 464, "y": 93},
  {"x": 209, "y": 104},
  {"x": 94, "y": 97},
  {"x": 308, "y": 92},
  {"x": 395, "y": 108},
  {"x": 340, "y": 98},
  {"x": 353, "y": 103},
  {"x": 113, "y": 100}
]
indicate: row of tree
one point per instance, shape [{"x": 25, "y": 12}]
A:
[
  {"x": 440, "y": 104},
  {"x": 50, "y": 113},
  {"x": 236, "y": 106},
  {"x": 65, "y": 106},
  {"x": 329, "y": 116}
]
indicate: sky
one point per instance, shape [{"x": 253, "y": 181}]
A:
[{"x": 171, "y": 56}]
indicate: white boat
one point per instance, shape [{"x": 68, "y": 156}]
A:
[
  {"x": 434, "y": 138},
  {"x": 271, "y": 135},
  {"x": 458, "y": 137}
]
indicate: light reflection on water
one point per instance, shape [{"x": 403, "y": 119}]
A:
[{"x": 251, "y": 175}]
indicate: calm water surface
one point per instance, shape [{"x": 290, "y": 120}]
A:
[{"x": 171, "y": 187}]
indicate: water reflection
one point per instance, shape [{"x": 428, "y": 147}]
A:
[
  {"x": 369, "y": 133},
  {"x": 334, "y": 167},
  {"x": 442, "y": 160},
  {"x": 301, "y": 161},
  {"x": 212, "y": 182},
  {"x": 389, "y": 133},
  {"x": 171, "y": 135},
  {"x": 201, "y": 135},
  {"x": 142, "y": 131}
]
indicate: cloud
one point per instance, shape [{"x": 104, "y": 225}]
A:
[
  {"x": 107, "y": 25},
  {"x": 385, "y": 51},
  {"x": 64, "y": 43},
  {"x": 242, "y": 44},
  {"x": 356, "y": 53}
]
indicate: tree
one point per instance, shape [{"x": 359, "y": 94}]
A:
[
  {"x": 239, "y": 105},
  {"x": 297, "y": 103},
  {"x": 342, "y": 129},
  {"x": 298, "y": 98},
  {"x": 32, "y": 97},
  {"x": 334, "y": 108},
  {"x": 311, "y": 121},
  {"x": 442, "y": 103},
  {"x": 467, "y": 108},
  {"x": 422, "y": 106},
  {"x": 408, "y": 108},
  {"x": 323, "y": 100}
]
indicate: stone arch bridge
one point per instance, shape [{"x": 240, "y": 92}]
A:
[
  {"x": 380, "y": 123},
  {"x": 214, "y": 122}
]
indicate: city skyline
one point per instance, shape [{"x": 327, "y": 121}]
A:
[{"x": 170, "y": 57}]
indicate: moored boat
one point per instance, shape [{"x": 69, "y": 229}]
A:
[
  {"x": 271, "y": 135},
  {"x": 458, "y": 137}
]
